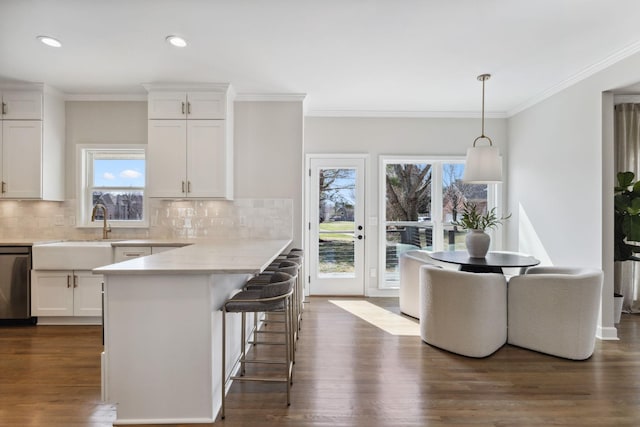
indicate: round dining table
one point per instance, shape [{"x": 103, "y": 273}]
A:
[{"x": 493, "y": 262}]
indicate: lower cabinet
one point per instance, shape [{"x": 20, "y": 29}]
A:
[{"x": 66, "y": 293}]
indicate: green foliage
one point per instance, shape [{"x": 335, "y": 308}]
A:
[
  {"x": 472, "y": 219},
  {"x": 626, "y": 217}
]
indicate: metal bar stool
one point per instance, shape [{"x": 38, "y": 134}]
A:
[
  {"x": 256, "y": 283},
  {"x": 297, "y": 293},
  {"x": 274, "y": 297}
]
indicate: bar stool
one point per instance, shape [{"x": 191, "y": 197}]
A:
[
  {"x": 273, "y": 297},
  {"x": 256, "y": 283},
  {"x": 298, "y": 292}
]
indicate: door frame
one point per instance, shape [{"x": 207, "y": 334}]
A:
[{"x": 307, "y": 214}]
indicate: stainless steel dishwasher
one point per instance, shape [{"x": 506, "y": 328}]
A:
[{"x": 15, "y": 284}]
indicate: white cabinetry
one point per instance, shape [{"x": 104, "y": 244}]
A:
[
  {"x": 32, "y": 145},
  {"x": 123, "y": 253},
  {"x": 190, "y": 147},
  {"x": 66, "y": 293},
  {"x": 183, "y": 105},
  {"x": 21, "y": 104}
]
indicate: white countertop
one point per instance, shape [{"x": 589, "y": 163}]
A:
[
  {"x": 204, "y": 257},
  {"x": 23, "y": 242},
  {"x": 153, "y": 242}
]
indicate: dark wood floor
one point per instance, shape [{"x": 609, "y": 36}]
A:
[{"x": 348, "y": 373}]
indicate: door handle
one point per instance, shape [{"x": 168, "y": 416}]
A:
[
  {"x": 360, "y": 237},
  {"x": 75, "y": 281}
]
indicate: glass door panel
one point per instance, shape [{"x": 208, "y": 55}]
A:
[{"x": 337, "y": 227}]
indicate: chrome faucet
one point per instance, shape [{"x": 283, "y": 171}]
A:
[{"x": 105, "y": 227}]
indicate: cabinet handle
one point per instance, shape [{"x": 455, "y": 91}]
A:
[
  {"x": 183, "y": 108},
  {"x": 188, "y": 108},
  {"x": 4, "y": 108},
  {"x": 4, "y": 187},
  {"x": 183, "y": 186},
  {"x": 188, "y": 186},
  {"x": 75, "y": 281},
  {"x": 68, "y": 281}
]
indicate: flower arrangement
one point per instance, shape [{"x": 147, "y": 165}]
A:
[{"x": 472, "y": 219}]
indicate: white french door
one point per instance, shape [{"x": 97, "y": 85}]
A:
[{"x": 336, "y": 226}]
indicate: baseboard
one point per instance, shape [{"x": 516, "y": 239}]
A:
[
  {"x": 376, "y": 292},
  {"x": 69, "y": 320},
  {"x": 609, "y": 333}
]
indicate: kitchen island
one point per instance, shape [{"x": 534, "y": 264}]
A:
[{"x": 162, "y": 328}]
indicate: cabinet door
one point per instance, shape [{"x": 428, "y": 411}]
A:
[
  {"x": 87, "y": 294},
  {"x": 206, "y": 105},
  {"x": 22, "y": 105},
  {"x": 167, "y": 158},
  {"x": 22, "y": 159},
  {"x": 52, "y": 293},
  {"x": 206, "y": 158},
  {"x": 167, "y": 105}
]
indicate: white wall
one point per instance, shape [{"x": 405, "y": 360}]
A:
[
  {"x": 561, "y": 177},
  {"x": 394, "y": 136},
  {"x": 100, "y": 122},
  {"x": 268, "y": 149}
]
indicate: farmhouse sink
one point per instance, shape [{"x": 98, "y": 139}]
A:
[{"x": 72, "y": 255}]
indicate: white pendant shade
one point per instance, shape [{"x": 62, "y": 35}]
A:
[{"x": 483, "y": 166}]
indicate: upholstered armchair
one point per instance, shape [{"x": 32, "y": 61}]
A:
[
  {"x": 461, "y": 312},
  {"x": 554, "y": 310},
  {"x": 409, "y": 264}
]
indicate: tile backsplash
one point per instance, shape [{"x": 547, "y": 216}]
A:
[{"x": 243, "y": 218}]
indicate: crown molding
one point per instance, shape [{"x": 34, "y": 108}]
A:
[
  {"x": 406, "y": 114},
  {"x": 271, "y": 97},
  {"x": 222, "y": 87},
  {"x": 105, "y": 97},
  {"x": 578, "y": 77}
]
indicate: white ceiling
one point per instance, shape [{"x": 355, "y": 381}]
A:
[{"x": 396, "y": 57}]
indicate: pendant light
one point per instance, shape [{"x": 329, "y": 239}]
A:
[{"x": 483, "y": 165}]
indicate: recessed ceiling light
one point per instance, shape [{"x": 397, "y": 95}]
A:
[
  {"x": 177, "y": 41},
  {"x": 49, "y": 41}
]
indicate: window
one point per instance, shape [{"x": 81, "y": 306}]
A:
[
  {"x": 114, "y": 178},
  {"x": 420, "y": 197}
]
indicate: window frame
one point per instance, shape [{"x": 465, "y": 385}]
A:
[
  {"x": 494, "y": 199},
  {"x": 85, "y": 155}
]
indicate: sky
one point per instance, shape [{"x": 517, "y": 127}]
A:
[{"x": 118, "y": 173}]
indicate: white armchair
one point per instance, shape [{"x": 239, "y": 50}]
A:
[
  {"x": 464, "y": 313},
  {"x": 410, "y": 263},
  {"x": 554, "y": 310}
]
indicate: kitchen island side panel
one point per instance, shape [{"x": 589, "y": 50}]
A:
[{"x": 162, "y": 345}]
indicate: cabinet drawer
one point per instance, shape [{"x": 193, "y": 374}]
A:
[{"x": 125, "y": 253}]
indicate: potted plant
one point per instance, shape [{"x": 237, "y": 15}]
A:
[
  {"x": 626, "y": 232},
  {"x": 476, "y": 222}
]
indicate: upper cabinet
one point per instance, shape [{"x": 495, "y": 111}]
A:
[
  {"x": 187, "y": 105},
  {"x": 190, "y": 146},
  {"x": 21, "y": 105},
  {"x": 32, "y": 141}
]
